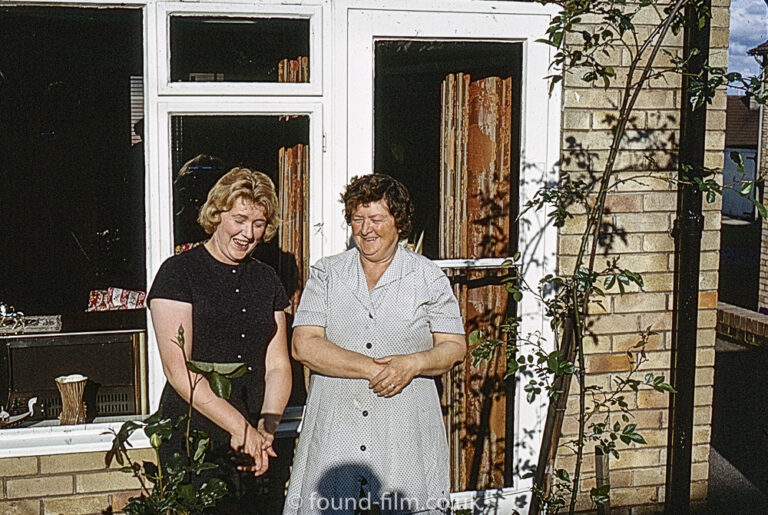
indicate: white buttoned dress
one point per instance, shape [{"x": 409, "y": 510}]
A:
[{"x": 356, "y": 448}]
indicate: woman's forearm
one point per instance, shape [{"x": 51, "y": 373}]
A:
[
  {"x": 449, "y": 350},
  {"x": 312, "y": 349},
  {"x": 207, "y": 403},
  {"x": 277, "y": 390}
]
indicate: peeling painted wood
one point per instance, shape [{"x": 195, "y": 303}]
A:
[{"x": 475, "y": 222}]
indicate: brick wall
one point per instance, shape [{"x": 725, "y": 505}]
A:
[
  {"x": 742, "y": 325},
  {"x": 67, "y": 484},
  {"x": 642, "y": 213}
]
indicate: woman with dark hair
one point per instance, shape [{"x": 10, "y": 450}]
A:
[
  {"x": 375, "y": 325},
  {"x": 231, "y": 308}
]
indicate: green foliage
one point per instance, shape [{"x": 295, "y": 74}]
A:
[
  {"x": 600, "y": 494},
  {"x": 169, "y": 487}
]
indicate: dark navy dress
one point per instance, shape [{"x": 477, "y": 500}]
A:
[{"x": 233, "y": 321}]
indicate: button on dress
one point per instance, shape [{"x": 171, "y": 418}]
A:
[{"x": 355, "y": 446}]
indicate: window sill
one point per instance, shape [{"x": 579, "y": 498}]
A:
[{"x": 49, "y": 437}]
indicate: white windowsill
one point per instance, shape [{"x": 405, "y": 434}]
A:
[
  {"x": 49, "y": 437},
  {"x": 44, "y": 439}
]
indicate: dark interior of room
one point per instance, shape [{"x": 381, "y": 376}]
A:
[
  {"x": 407, "y": 105},
  {"x": 210, "y": 146},
  {"x": 72, "y": 195},
  {"x": 235, "y": 49}
]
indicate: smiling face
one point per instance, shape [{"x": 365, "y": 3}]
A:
[
  {"x": 374, "y": 231},
  {"x": 240, "y": 230}
]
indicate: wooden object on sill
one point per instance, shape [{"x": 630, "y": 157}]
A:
[
  {"x": 71, "y": 388},
  {"x": 293, "y": 263},
  {"x": 292, "y": 70},
  {"x": 475, "y": 222}
]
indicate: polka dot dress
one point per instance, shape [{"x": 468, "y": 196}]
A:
[{"x": 357, "y": 449}]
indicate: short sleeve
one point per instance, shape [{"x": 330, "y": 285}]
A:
[
  {"x": 443, "y": 313},
  {"x": 171, "y": 282},
  {"x": 280, "y": 300},
  {"x": 313, "y": 307}
]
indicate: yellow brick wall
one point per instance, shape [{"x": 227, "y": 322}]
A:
[
  {"x": 66, "y": 484},
  {"x": 643, "y": 211}
]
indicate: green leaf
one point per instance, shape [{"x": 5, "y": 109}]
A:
[
  {"x": 186, "y": 492},
  {"x": 630, "y": 428},
  {"x": 230, "y": 370},
  {"x": 552, "y": 362},
  {"x": 220, "y": 385},
  {"x": 476, "y": 338},
  {"x": 761, "y": 209},
  {"x": 200, "y": 447},
  {"x": 600, "y": 494},
  {"x": 632, "y": 437},
  {"x": 556, "y": 39}
]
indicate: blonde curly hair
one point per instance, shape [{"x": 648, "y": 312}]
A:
[{"x": 251, "y": 186}]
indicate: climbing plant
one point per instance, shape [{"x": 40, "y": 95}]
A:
[{"x": 586, "y": 35}]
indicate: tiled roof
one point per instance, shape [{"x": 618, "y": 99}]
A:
[
  {"x": 761, "y": 49},
  {"x": 741, "y": 123}
]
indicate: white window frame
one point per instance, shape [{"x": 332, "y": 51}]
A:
[
  {"x": 45, "y": 440},
  {"x": 166, "y": 10},
  {"x": 159, "y": 104},
  {"x": 358, "y": 24}
]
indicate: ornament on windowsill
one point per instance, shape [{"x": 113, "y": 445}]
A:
[
  {"x": 11, "y": 319},
  {"x": 6, "y": 420},
  {"x": 71, "y": 388},
  {"x": 115, "y": 299}
]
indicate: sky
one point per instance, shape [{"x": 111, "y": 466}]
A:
[{"x": 749, "y": 28}]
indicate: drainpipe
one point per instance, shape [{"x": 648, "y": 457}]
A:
[{"x": 687, "y": 232}]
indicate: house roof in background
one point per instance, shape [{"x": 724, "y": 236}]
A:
[
  {"x": 761, "y": 49},
  {"x": 741, "y": 123}
]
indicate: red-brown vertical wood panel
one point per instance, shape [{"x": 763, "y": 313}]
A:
[
  {"x": 475, "y": 223},
  {"x": 294, "y": 212}
]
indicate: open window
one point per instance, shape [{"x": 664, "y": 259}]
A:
[
  {"x": 447, "y": 126},
  {"x": 476, "y": 135}
]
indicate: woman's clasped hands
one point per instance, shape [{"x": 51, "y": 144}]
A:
[
  {"x": 396, "y": 373},
  {"x": 253, "y": 448}
]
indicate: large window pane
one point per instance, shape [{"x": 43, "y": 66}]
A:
[
  {"x": 447, "y": 126},
  {"x": 72, "y": 195},
  {"x": 72, "y": 205},
  {"x": 409, "y": 138}
]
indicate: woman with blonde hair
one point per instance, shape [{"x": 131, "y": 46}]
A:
[{"x": 231, "y": 308}]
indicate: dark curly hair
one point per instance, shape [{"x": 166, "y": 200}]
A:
[{"x": 374, "y": 187}]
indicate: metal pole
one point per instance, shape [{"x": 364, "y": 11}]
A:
[{"x": 687, "y": 231}]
